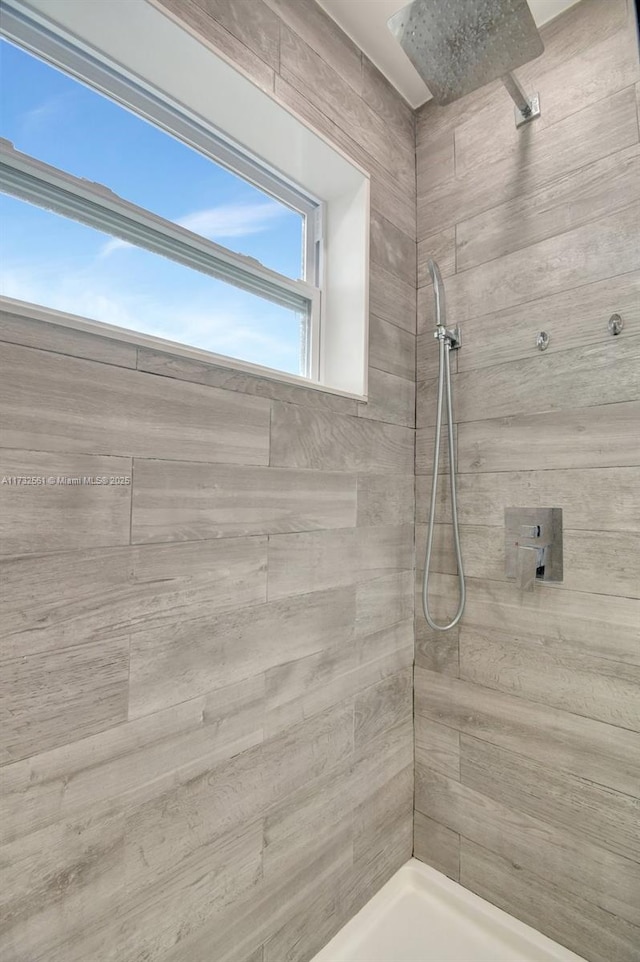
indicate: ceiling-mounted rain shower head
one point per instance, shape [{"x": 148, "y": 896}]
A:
[{"x": 459, "y": 45}]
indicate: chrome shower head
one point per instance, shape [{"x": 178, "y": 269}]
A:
[
  {"x": 438, "y": 292},
  {"x": 459, "y": 45}
]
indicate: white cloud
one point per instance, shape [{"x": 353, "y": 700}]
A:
[
  {"x": 233, "y": 220},
  {"x": 115, "y": 244}
]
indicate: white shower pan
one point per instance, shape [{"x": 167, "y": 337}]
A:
[{"x": 420, "y": 915}]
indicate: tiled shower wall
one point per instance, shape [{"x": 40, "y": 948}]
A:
[
  {"x": 207, "y": 749},
  {"x": 528, "y": 717}
]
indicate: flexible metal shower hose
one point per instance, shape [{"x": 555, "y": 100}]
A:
[{"x": 444, "y": 374}]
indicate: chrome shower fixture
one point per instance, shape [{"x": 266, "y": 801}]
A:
[{"x": 459, "y": 45}]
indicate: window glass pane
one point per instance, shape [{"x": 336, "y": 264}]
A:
[
  {"x": 59, "y": 120},
  {"x": 51, "y": 260}
]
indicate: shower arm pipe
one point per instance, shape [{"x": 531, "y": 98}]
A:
[{"x": 517, "y": 93}]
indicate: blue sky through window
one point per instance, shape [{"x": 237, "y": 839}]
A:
[{"x": 48, "y": 259}]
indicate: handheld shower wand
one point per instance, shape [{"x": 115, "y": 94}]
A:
[{"x": 448, "y": 340}]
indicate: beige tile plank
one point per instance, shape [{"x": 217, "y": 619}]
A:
[
  {"x": 547, "y": 906},
  {"x": 391, "y": 348},
  {"x": 595, "y": 437},
  {"x": 587, "y": 78},
  {"x": 437, "y": 747},
  {"x": 601, "y": 815},
  {"x": 59, "y": 696},
  {"x": 608, "y": 880},
  {"x": 56, "y": 502},
  {"x": 437, "y": 650},
  {"x": 564, "y": 678},
  {"x": 189, "y": 501},
  {"x": 199, "y": 372},
  {"x": 574, "y": 319},
  {"x": 597, "y": 499},
  {"x": 392, "y": 249},
  {"x": 305, "y": 70},
  {"x": 312, "y": 561},
  {"x": 183, "y": 658},
  {"x": 48, "y": 336},
  {"x": 592, "y": 252},
  {"x": 315, "y": 27},
  {"x": 575, "y": 199},
  {"x": 381, "y": 602},
  {"x": 193, "y": 16},
  {"x": 392, "y": 299},
  {"x": 582, "y": 138},
  {"x": 391, "y": 399},
  {"x": 558, "y": 382},
  {"x": 440, "y": 247},
  {"x": 436, "y": 845},
  {"x": 599, "y": 625},
  {"x": 133, "y": 763},
  {"x": 386, "y": 102},
  {"x": 557, "y": 739},
  {"x": 385, "y": 500},
  {"x": 252, "y": 22},
  {"x": 65, "y": 599},
  {"x": 604, "y": 564},
  {"x": 382, "y": 706},
  {"x": 66, "y": 404},
  {"x": 312, "y": 439}
]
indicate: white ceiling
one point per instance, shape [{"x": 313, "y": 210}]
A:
[{"x": 365, "y": 21}]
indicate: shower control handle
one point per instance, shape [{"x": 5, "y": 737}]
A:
[
  {"x": 531, "y": 555},
  {"x": 533, "y": 545}
]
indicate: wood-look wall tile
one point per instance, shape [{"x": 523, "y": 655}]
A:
[
  {"x": 440, "y": 247},
  {"x": 599, "y": 625},
  {"x": 388, "y": 195},
  {"x": 199, "y": 372},
  {"x": 62, "y": 512},
  {"x": 598, "y": 499},
  {"x": 606, "y": 565},
  {"x": 383, "y": 601},
  {"x": 392, "y": 299},
  {"x": 55, "y": 697},
  {"x": 385, "y": 500},
  {"x": 188, "y": 501},
  {"x": 57, "y": 403},
  {"x": 580, "y": 139},
  {"x": 193, "y": 16},
  {"x": 316, "y": 28},
  {"x": 587, "y": 78},
  {"x": 437, "y": 845},
  {"x": 387, "y": 103},
  {"x": 383, "y": 706},
  {"x": 593, "y": 252},
  {"x": 574, "y": 319},
  {"x": 391, "y": 348},
  {"x": 533, "y": 844},
  {"x": 602, "y": 815},
  {"x": 375, "y": 819},
  {"x": 592, "y": 437},
  {"x": 183, "y": 658},
  {"x": 392, "y": 249},
  {"x": 437, "y": 747},
  {"x": 577, "y": 198},
  {"x": 548, "y": 906},
  {"x": 437, "y": 650},
  {"x": 557, "y": 739},
  {"x": 319, "y": 83},
  {"x": 315, "y": 560},
  {"x": 312, "y": 439},
  {"x": 57, "y": 882},
  {"x": 564, "y": 678},
  {"x": 435, "y": 163},
  {"x": 566, "y": 380},
  {"x": 137, "y": 761},
  {"x": 252, "y": 22},
  {"x": 391, "y": 399},
  {"x": 31, "y": 332}
]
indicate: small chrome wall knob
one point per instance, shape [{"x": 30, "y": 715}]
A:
[
  {"x": 542, "y": 341},
  {"x": 615, "y": 324}
]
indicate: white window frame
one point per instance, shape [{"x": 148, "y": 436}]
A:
[{"x": 336, "y": 344}]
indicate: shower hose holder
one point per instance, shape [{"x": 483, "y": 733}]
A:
[{"x": 451, "y": 335}]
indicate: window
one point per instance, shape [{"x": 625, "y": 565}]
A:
[{"x": 129, "y": 207}]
